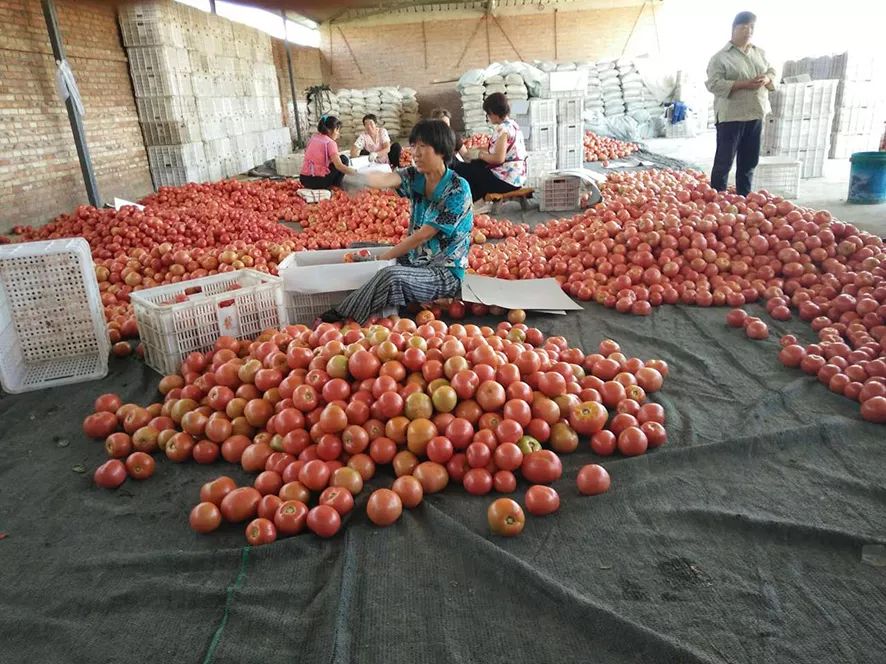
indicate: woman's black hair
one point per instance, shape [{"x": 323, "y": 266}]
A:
[
  {"x": 370, "y": 116},
  {"x": 437, "y": 134},
  {"x": 743, "y": 18},
  {"x": 497, "y": 104},
  {"x": 440, "y": 113},
  {"x": 328, "y": 124}
]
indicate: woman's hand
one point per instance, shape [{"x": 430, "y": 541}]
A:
[{"x": 417, "y": 239}]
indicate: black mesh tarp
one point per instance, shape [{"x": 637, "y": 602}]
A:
[{"x": 739, "y": 541}]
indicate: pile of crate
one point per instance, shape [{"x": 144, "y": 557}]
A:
[
  {"x": 800, "y": 124},
  {"x": 860, "y": 106},
  {"x": 206, "y": 91}
]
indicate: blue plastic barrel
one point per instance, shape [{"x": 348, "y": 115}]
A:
[{"x": 867, "y": 178}]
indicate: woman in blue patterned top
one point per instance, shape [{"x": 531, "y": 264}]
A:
[{"x": 431, "y": 261}]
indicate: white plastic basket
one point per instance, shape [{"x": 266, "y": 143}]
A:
[
  {"x": 171, "y": 133},
  {"x": 779, "y": 176},
  {"x": 240, "y": 304},
  {"x": 541, "y": 137},
  {"x": 162, "y": 84},
  {"x": 52, "y": 326},
  {"x": 569, "y": 109},
  {"x": 560, "y": 192},
  {"x": 797, "y": 134},
  {"x": 570, "y": 157},
  {"x": 570, "y": 135},
  {"x": 539, "y": 164}
]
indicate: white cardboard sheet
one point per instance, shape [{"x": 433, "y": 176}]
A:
[
  {"x": 543, "y": 295},
  {"x": 119, "y": 203}
]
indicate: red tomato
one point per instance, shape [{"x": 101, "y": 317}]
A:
[
  {"x": 504, "y": 481},
  {"x": 240, "y": 504},
  {"x": 205, "y": 517},
  {"x": 323, "y": 521},
  {"x": 505, "y": 517},
  {"x": 542, "y": 467},
  {"x": 542, "y": 500},
  {"x": 409, "y": 489},
  {"x": 592, "y": 480},
  {"x": 261, "y": 531},
  {"x": 384, "y": 507},
  {"x": 110, "y": 474},
  {"x": 140, "y": 466},
  {"x": 291, "y": 517},
  {"x": 339, "y": 498},
  {"x": 214, "y": 490},
  {"x": 603, "y": 443},
  {"x": 478, "y": 481},
  {"x": 632, "y": 441}
]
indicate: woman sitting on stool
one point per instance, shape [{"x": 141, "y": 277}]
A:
[
  {"x": 461, "y": 151},
  {"x": 433, "y": 257},
  {"x": 323, "y": 167},
  {"x": 375, "y": 140},
  {"x": 503, "y": 167}
]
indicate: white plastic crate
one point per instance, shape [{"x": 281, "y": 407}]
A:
[
  {"x": 541, "y": 137},
  {"x": 157, "y": 59},
  {"x": 175, "y": 176},
  {"x": 779, "y": 176},
  {"x": 177, "y": 156},
  {"x": 812, "y": 160},
  {"x": 171, "y": 133},
  {"x": 560, "y": 192},
  {"x": 844, "y": 145},
  {"x": 162, "y": 84},
  {"x": 52, "y": 325},
  {"x": 682, "y": 129},
  {"x": 240, "y": 304},
  {"x": 217, "y": 150},
  {"x": 569, "y": 109},
  {"x": 797, "y": 133},
  {"x": 569, "y": 134},
  {"x": 151, "y": 32},
  {"x": 167, "y": 109},
  {"x": 804, "y": 100},
  {"x": 858, "y": 119},
  {"x": 539, "y": 164},
  {"x": 571, "y": 157},
  {"x": 290, "y": 165}
]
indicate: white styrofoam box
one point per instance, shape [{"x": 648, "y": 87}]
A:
[
  {"x": 802, "y": 100},
  {"x": 310, "y": 272},
  {"x": 813, "y": 160},
  {"x": 540, "y": 137},
  {"x": 570, "y": 134},
  {"x": 569, "y": 109},
  {"x": 240, "y": 304},
  {"x": 797, "y": 133},
  {"x": 162, "y": 84},
  {"x": 779, "y": 176},
  {"x": 203, "y": 83},
  {"x": 171, "y": 133},
  {"x": 539, "y": 164},
  {"x": 177, "y": 176},
  {"x": 52, "y": 324},
  {"x": 844, "y": 145},
  {"x": 290, "y": 165},
  {"x": 212, "y": 128},
  {"x": 157, "y": 59},
  {"x": 215, "y": 171},
  {"x": 177, "y": 156},
  {"x": 570, "y": 157},
  {"x": 560, "y": 192}
]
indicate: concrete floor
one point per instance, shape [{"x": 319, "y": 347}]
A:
[{"x": 824, "y": 193}]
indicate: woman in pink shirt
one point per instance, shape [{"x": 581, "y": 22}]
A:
[{"x": 323, "y": 167}]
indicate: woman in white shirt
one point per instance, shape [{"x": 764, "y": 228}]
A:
[{"x": 375, "y": 140}]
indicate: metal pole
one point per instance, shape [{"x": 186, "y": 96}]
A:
[
  {"x": 299, "y": 139},
  {"x": 58, "y": 52},
  {"x": 212, "y": 6}
]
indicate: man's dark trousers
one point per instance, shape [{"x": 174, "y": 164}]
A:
[{"x": 737, "y": 141}]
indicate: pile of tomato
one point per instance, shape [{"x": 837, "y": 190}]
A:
[
  {"x": 478, "y": 141},
  {"x": 603, "y": 148},
  {"x": 315, "y": 412}
]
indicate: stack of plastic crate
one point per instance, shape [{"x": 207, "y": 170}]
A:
[
  {"x": 207, "y": 92},
  {"x": 539, "y": 127},
  {"x": 799, "y": 126},
  {"x": 570, "y": 133},
  {"x": 860, "y": 105}
]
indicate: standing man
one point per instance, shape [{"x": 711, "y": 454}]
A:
[{"x": 739, "y": 77}]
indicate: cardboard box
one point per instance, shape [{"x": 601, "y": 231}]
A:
[{"x": 310, "y": 272}]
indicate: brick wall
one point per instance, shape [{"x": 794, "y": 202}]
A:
[
  {"x": 39, "y": 171},
  {"x": 395, "y": 53},
  {"x": 306, "y": 68}
]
